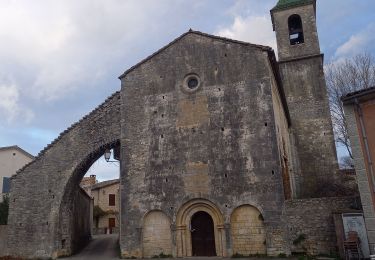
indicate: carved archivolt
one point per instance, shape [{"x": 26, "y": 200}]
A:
[{"x": 183, "y": 234}]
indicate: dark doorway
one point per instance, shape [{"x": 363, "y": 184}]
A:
[
  {"x": 202, "y": 234},
  {"x": 111, "y": 224}
]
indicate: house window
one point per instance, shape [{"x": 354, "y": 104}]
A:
[
  {"x": 6, "y": 185},
  {"x": 112, "y": 199},
  {"x": 295, "y": 30}
]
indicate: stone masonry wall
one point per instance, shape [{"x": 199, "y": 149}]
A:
[
  {"x": 248, "y": 233},
  {"x": 3, "y": 238},
  {"x": 44, "y": 189},
  {"x": 311, "y": 44},
  {"x": 217, "y": 143},
  {"x": 307, "y": 98},
  {"x": 81, "y": 231},
  {"x": 313, "y": 219},
  {"x": 301, "y": 69},
  {"x": 286, "y": 148},
  {"x": 157, "y": 235}
]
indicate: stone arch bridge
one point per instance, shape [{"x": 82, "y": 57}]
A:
[{"x": 43, "y": 193}]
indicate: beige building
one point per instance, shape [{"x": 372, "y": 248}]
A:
[
  {"x": 106, "y": 196},
  {"x": 12, "y": 158}
]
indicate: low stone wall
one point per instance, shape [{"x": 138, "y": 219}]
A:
[
  {"x": 81, "y": 232},
  {"x": 310, "y": 223},
  {"x": 3, "y": 239}
]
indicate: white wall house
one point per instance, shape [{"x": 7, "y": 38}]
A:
[{"x": 12, "y": 158}]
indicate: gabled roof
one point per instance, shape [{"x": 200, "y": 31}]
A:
[
  {"x": 16, "y": 147},
  {"x": 104, "y": 184},
  {"x": 269, "y": 50},
  {"x": 262, "y": 47},
  {"x": 285, "y": 4}
]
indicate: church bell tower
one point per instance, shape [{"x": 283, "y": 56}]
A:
[{"x": 301, "y": 69}]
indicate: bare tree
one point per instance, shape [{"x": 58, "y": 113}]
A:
[
  {"x": 343, "y": 77},
  {"x": 347, "y": 162}
]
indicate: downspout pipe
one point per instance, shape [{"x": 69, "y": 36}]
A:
[{"x": 365, "y": 141}]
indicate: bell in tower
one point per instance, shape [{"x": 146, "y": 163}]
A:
[
  {"x": 295, "y": 29},
  {"x": 294, "y": 22}
]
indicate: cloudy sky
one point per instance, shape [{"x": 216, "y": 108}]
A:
[{"x": 60, "y": 59}]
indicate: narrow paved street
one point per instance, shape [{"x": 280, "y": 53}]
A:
[{"x": 101, "y": 247}]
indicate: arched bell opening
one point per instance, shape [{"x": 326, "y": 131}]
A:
[{"x": 295, "y": 30}]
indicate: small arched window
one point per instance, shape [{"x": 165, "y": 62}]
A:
[{"x": 295, "y": 30}]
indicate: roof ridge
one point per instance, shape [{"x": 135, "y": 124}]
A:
[
  {"x": 19, "y": 149},
  {"x": 104, "y": 183},
  {"x": 352, "y": 95},
  {"x": 263, "y": 47},
  {"x": 285, "y": 4},
  {"x": 191, "y": 31}
]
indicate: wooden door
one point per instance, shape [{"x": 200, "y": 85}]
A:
[
  {"x": 111, "y": 224},
  {"x": 202, "y": 234}
]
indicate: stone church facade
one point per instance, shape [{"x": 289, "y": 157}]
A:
[{"x": 221, "y": 147}]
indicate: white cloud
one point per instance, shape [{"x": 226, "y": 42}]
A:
[
  {"x": 358, "y": 42},
  {"x": 104, "y": 170},
  {"x": 253, "y": 29},
  {"x": 65, "y": 44},
  {"x": 10, "y": 109}
]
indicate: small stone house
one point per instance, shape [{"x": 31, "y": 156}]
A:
[{"x": 106, "y": 197}]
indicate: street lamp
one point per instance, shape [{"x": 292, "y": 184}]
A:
[{"x": 107, "y": 155}]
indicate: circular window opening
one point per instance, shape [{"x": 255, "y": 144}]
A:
[{"x": 192, "y": 82}]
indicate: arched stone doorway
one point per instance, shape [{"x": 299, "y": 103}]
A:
[
  {"x": 41, "y": 215},
  {"x": 183, "y": 226}
]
